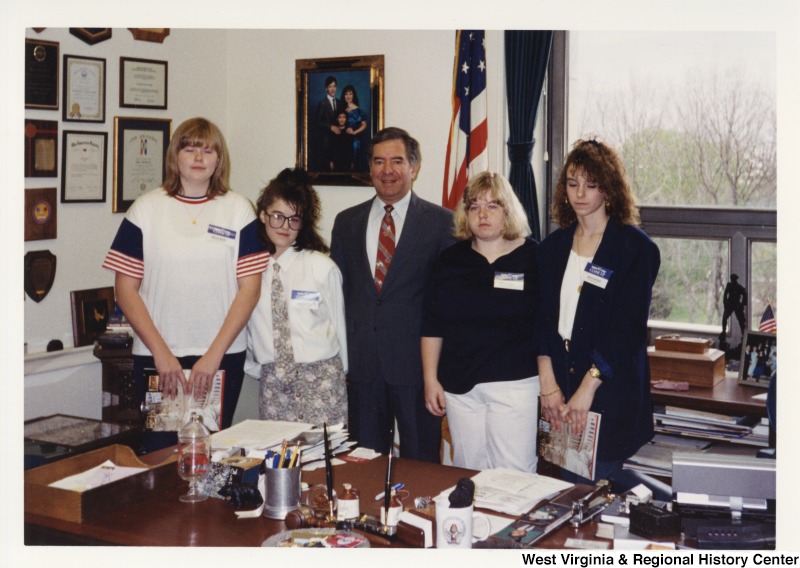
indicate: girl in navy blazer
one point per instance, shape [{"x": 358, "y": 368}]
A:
[{"x": 597, "y": 273}]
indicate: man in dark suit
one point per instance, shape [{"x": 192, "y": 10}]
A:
[
  {"x": 384, "y": 316},
  {"x": 324, "y": 125}
]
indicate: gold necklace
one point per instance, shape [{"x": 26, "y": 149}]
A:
[
  {"x": 200, "y": 212},
  {"x": 578, "y": 256}
]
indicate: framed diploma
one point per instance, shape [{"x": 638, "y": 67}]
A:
[
  {"x": 90, "y": 312},
  {"x": 140, "y": 151},
  {"x": 40, "y": 214},
  {"x": 142, "y": 83},
  {"x": 41, "y": 148},
  {"x": 83, "y": 166},
  {"x": 84, "y": 89},
  {"x": 41, "y": 74}
]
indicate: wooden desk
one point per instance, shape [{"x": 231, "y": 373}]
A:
[
  {"x": 162, "y": 520},
  {"x": 726, "y": 397}
]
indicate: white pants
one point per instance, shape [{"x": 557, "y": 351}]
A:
[{"x": 495, "y": 424}]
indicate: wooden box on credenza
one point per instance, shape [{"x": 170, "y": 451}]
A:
[{"x": 698, "y": 369}]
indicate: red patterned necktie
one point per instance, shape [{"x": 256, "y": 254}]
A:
[{"x": 385, "y": 248}]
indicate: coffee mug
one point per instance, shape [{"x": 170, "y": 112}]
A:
[{"x": 459, "y": 528}]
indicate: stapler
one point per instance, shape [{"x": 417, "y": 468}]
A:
[{"x": 589, "y": 506}]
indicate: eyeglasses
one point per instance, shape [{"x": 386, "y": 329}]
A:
[{"x": 276, "y": 221}]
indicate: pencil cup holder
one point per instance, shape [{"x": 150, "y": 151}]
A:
[{"x": 283, "y": 492}]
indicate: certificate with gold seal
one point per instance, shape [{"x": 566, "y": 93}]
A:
[{"x": 84, "y": 89}]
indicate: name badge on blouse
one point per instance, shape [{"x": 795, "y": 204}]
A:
[
  {"x": 221, "y": 235},
  {"x": 305, "y": 299},
  {"x": 509, "y": 280},
  {"x": 597, "y": 275}
]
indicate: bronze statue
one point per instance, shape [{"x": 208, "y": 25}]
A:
[{"x": 733, "y": 302}]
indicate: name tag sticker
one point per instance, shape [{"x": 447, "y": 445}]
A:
[
  {"x": 509, "y": 280},
  {"x": 221, "y": 235},
  {"x": 597, "y": 275},
  {"x": 305, "y": 299}
]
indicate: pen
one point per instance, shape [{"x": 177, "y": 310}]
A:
[
  {"x": 396, "y": 487},
  {"x": 388, "y": 490},
  {"x": 328, "y": 469}
]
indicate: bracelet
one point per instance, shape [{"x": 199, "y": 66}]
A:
[{"x": 558, "y": 389}]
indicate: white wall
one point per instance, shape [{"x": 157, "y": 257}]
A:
[{"x": 244, "y": 80}]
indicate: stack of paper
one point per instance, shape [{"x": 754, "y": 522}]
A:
[
  {"x": 257, "y": 435},
  {"x": 512, "y": 492}
]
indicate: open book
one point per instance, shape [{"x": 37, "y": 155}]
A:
[
  {"x": 574, "y": 453},
  {"x": 164, "y": 414}
]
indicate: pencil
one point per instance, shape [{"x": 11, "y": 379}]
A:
[
  {"x": 283, "y": 454},
  {"x": 294, "y": 455}
]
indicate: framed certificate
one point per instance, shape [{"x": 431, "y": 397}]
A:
[
  {"x": 41, "y": 74},
  {"x": 142, "y": 83},
  {"x": 83, "y": 166},
  {"x": 84, "y": 89},
  {"x": 140, "y": 150},
  {"x": 41, "y": 148}
]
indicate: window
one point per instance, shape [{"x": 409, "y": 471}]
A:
[{"x": 693, "y": 115}]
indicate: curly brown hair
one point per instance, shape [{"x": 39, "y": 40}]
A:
[
  {"x": 601, "y": 164},
  {"x": 293, "y": 185}
]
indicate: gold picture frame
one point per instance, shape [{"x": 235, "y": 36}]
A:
[{"x": 321, "y": 151}]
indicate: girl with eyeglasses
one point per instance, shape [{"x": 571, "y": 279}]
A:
[{"x": 296, "y": 335}]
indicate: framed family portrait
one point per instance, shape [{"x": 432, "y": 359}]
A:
[
  {"x": 84, "y": 166},
  {"x": 84, "y": 89},
  {"x": 759, "y": 359},
  {"x": 140, "y": 151},
  {"x": 142, "y": 83},
  {"x": 90, "y": 312},
  {"x": 339, "y": 109}
]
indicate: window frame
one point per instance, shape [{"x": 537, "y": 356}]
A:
[{"x": 740, "y": 227}]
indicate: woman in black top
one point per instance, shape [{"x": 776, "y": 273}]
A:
[{"x": 478, "y": 344}]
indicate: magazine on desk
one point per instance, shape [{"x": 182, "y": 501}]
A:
[
  {"x": 164, "y": 414},
  {"x": 574, "y": 453}
]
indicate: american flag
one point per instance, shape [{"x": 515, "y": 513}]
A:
[
  {"x": 768, "y": 323},
  {"x": 466, "y": 146}
]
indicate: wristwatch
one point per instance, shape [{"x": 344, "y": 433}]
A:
[{"x": 594, "y": 372}]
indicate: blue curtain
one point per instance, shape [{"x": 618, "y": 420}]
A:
[{"x": 527, "y": 55}]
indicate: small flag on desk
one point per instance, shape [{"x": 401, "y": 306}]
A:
[
  {"x": 466, "y": 146},
  {"x": 768, "y": 323}
]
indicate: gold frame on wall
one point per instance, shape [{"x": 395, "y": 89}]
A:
[{"x": 366, "y": 75}]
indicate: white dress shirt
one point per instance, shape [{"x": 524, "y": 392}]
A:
[{"x": 313, "y": 286}]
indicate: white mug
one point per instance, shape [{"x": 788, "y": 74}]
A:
[{"x": 459, "y": 528}]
